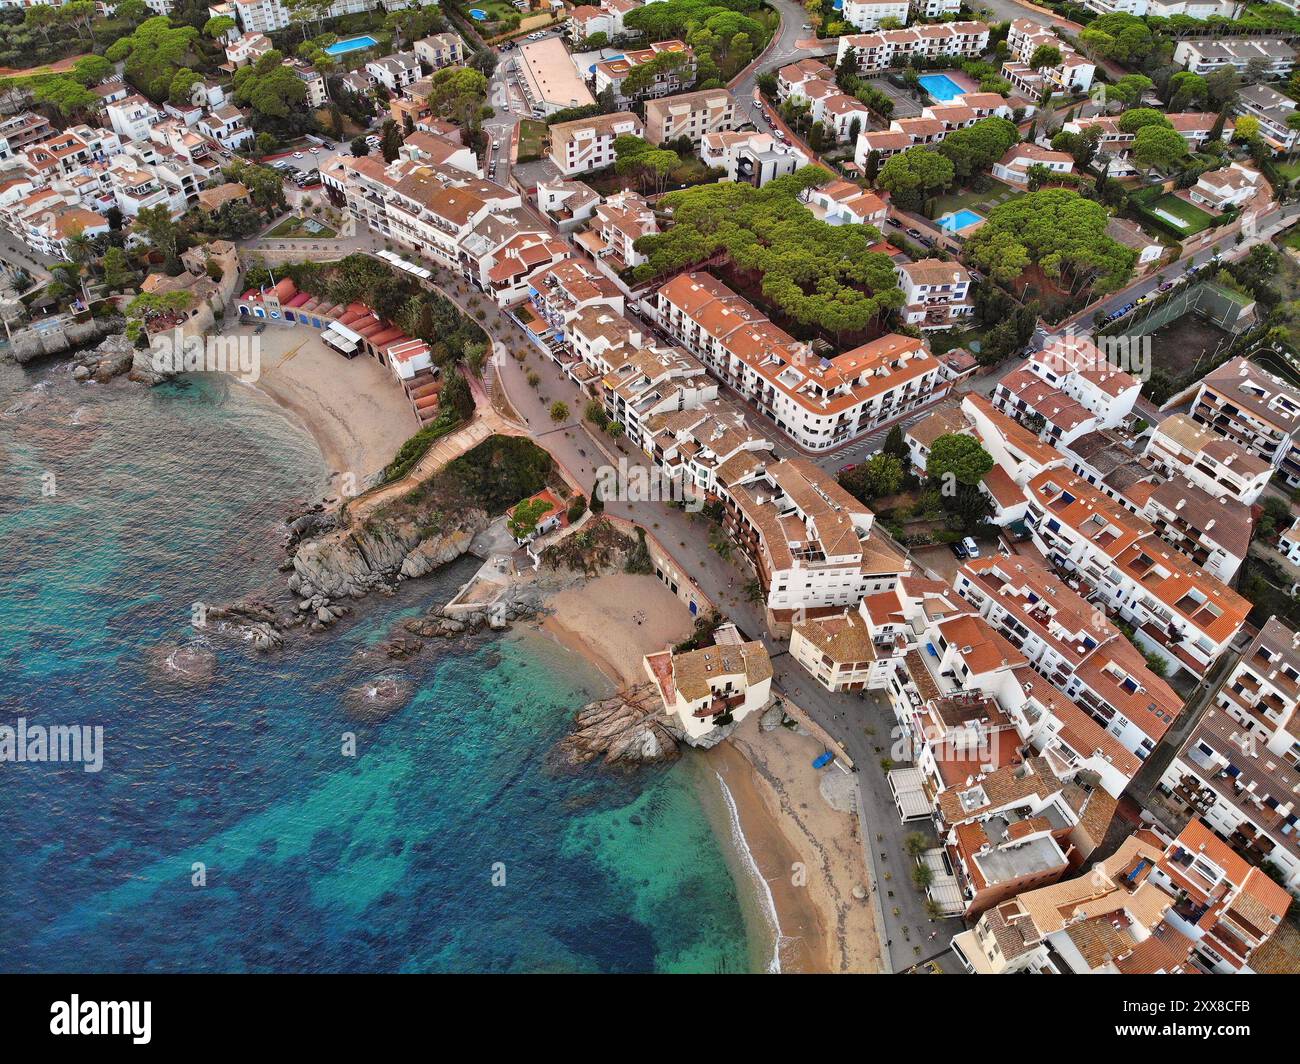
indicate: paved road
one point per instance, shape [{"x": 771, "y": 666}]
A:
[{"x": 1269, "y": 225}]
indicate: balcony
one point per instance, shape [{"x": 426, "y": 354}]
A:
[{"x": 719, "y": 705}]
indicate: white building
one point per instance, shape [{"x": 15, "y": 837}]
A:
[
  {"x": 395, "y": 72},
  {"x": 713, "y": 687},
  {"x": 692, "y": 115},
  {"x": 1179, "y": 446},
  {"x": 587, "y": 144},
  {"x": 937, "y": 293},
  {"x": 1233, "y": 186},
  {"x": 1201, "y": 55},
  {"x": 869, "y": 14},
  {"x": 877, "y": 52},
  {"x": 1177, "y": 609},
  {"x": 820, "y": 403},
  {"x": 754, "y": 158}
]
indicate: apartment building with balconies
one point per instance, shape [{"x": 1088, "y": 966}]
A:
[
  {"x": 937, "y": 294},
  {"x": 753, "y": 158},
  {"x": 440, "y": 50},
  {"x": 877, "y": 52},
  {"x": 1214, "y": 533},
  {"x": 1017, "y": 828},
  {"x": 467, "y": 225},
  {"x": 691, "y": 115},
  {"x": 715, "y": 686},
  {"x": 820, "y": 403},
  {"x": 617, "y": 224},
  {"x": 654, "y": 381},
  {"x": 1177, "y": 609},
  {"x": 869, "y": 14},
  {"x": 610, "y": 75},
  {"x": 1230, "y": 778},
  {"x": 1201, "y": 55},
  {"x": 397, "y": 71},
  {"x": 1110, "y": 919},
  {"x": 1273, "y": 110},
  {"x": 1255, "y": 410},
  {"x": 587, "y": 144},
  {"x": 1082, "y": 657},
  {"x": 813, "y": 545},
  {"x": 689, "y": 446},
  {"x": 1073, "y": 74}
]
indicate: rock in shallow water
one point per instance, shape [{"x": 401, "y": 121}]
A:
[
  {"x": 629, "y": 729},
  {"x": 378, "y": 699},
  {"x": 191, "y": 666}
]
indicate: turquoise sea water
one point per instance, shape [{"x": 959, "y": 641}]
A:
[{"x": 448, "y": 843}]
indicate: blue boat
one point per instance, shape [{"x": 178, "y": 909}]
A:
[{"x": 823, "y": 760}]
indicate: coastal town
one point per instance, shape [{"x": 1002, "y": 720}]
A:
[{"x": 908, "y": 389}]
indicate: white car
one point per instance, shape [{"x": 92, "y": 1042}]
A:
[{"x": 297, "y": 155}]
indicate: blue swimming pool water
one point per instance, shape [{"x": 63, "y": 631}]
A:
[
  {"x": 940, "y": 86},
  {"x": 477, "y": 14},
  {"x": 960, "y": 220},
  {"x": 351, "y": 45},
  {"x": 607, "y": 59}
]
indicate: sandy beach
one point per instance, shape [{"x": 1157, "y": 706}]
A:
[
  {"x": 354, "y": 408},
  {"x": 808, "y": 854},
  {"x": 777, "y": 793},
  {"x": 614, "y": 621}
]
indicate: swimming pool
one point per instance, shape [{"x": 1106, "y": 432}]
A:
[
  {"x": 351, "y": 45},
  {"x": 959, "y": 220},
  {"x": 478, "y": 14},
  {"x": 940, "y": 86}
]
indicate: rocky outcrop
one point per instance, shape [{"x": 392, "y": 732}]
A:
[
  {"x": 253, "y": 619},
  {"x": 28, "y": 345},
  {"x": 629, "y": 729},
  {"x": 144, "y": 370},
  {"x": 350, "y": 563},
  {"x": 111, "y": 357}
]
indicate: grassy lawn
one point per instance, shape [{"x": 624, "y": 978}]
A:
[
  {"x": 532, "y": 139},
  {"x": 495, "y": 10},
  {"x": 979, "y": 202},
  {"x": 302, "y": 227},
  {"x": 1289, "y": 170},
  {"x": 1179, "y": 212}
]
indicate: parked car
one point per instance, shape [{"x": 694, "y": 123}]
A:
[
  {"x": 958, "y": 550},
  {"x": 297, "y": 155},
  {"x": 971, "y": 548}
]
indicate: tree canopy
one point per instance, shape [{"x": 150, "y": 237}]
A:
[
  {"x": 1160, "y": 146},
  {"x": 912, "y": 175},
  {"x": 1058, "y": 230},
  {"x": 820, "y": 275},
  {"x": 154, "y": 53},
  {"x": 269, "y": 87},
  {"x": 977, "y": 147},
  {"x": 960, "y": 456}
]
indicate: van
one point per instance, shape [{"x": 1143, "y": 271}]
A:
[{"x": 971, "y": 548}]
